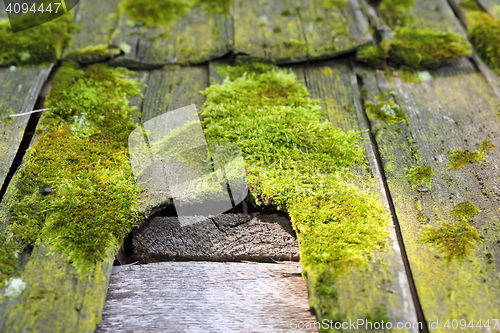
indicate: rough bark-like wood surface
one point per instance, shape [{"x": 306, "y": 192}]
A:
[
  {"x": 206, "y": 297},
  {"x": 385, "y": 282},
  {"x": 194, "y": 38},
  {"x": 456, "y": 109},
  {"x": 19, "y": 90},
  {"x": 226, "y": 237},
  {"x": 97, "y": 20}
]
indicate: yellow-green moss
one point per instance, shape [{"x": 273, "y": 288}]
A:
[
  {"x": 386, "y": 110},
  {"x": 41, "y": 44},
  {"x": 425, "y": 48},
  {"x": 461, "y": 158},
  {"x": 455, "y": 240},
  {"x": 92, "y": 54},
  {"x": 81, "y": 155},
  {"x": 300, "y": 163},
  {"x": 464, "y": 211},
  {"x": 419, "y": 175},
  {"x": 8, "y": 260},
  {"x": 372, "y": 55},
  {"x": 394, "y": 11},
  {"x": 484, "y": 34},
  {"x": 486, "y": 146},
  {"x": 162, "y": 13}
]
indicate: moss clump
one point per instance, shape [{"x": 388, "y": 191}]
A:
[
  {"x": 163, "y": 13},
  {"x": 8, "y": 260},
  {"x": 300, "y": 163},
  {"x": 425, "y": 48},
  {"x": 42, "y": 44},
  {"x": 456, "y": 240},
  {"x": 242, "y": 67},
  {"x": 420, "y": 174},
  {"x": 372, "y": 55},
  {"x": 486, "y": 146},
  {"x": 394, "y": 11},
  {"x": 386, "y": 110},
  {"x": 92, "y": 54},
  {"x": 464, "y": 211},
  {"x": 81, "y": 154},
  {"x": 484, "y": 34},
  {"x": 461, "y": 158}
]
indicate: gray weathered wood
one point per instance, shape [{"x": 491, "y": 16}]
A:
[
  {"x": 194, "y": 38},
  {"x": 226, "y": 237},
  {"x": 336, "y": 85},
  {"x": 206, "y": 297},
  {"x": 491, "y": 6},
  {"x": 97, "y": 20},
  {"x": 457, "y": 109},
  {"x": 167, "y": 89},
  {"x": 19, "y": 90},
  {"x": 291, "y": 31}
]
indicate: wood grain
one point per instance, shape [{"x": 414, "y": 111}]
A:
[
  {"x": 19, "y": 90},
  {"x": 457, "y": 109},
  {"x": 194, "y": 38},
  {"x": 226, "y": 237},
  {"x": 97, "y": 20},
  {"x": 206, "y": 297}
]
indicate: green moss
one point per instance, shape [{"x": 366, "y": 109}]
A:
[
  {"x": 469, "y": 5},
  {"x": 455, "y": 240},
  {"x": 41, "y": 44},
  {"x": 300, "y": 163},
  {"x": 461, "y": 158},
  {"x": 486, "y": 146},
  {"x": 484, "y": 34},
  {"x": 464, "y": 211},
  {"x": 92, "y": 54},
  {"x": 385, "y": 110},
  {"x": 8, "y": 260},
  {"x": 419, "y": 174},
  {"x": 425, "y": 48},
  {"x": 163, "y": 13},
  {"x": 372, "y": 55},
  {"x": 82, "y": 155},
  {"x": 394, "y": 11}
]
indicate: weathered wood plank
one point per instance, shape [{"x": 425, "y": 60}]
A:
[
  {"x": 19, "y": 90},
  {"x": 168, "y": 89},
  {"x": 194, "y": 38},
  {"x": 206, "y": 296},
  {"x": 290, "y": 31},
  {"x": 226, "y": 237},
  {"x": 454, "y": 108},
  {"x": 93, "y": 42},
  {"x": 383, "y": 283},
  {"x": 437, "y": 15}
]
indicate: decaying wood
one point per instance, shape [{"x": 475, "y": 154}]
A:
[
  {"x": 289, "y": 31},
  {"x": 385, "y": 282},
  {"x": 456, "y": 109},
  {"x": 19, "y": 90},
  {"x": 97, "y": 21},
  {"x": 194, "y": 38},
  {"x": 226, "y": 237},
  {"x": 56, "y": 299},
  {"x": 206, "y": 297}
]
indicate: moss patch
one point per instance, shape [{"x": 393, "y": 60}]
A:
[
  {"x": 300, "y": 163},
  {"x": 82, "y": 156},
  {"x": 455, "y": 240},
  {"x": 42, "y": 44},
  {"x": 163, "y": 13},
  {"x": 8, "y": 258},
  {"x": 386, "y": 110},
  {"x": 372, "y": 55},
  {"x": 461, "y": 158},
  {"x": 425, "y": 48},
  {"x": 484, "y": 34},
  {"x": 419, "y": 175},
  {"x": 464, "y": 211}
]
